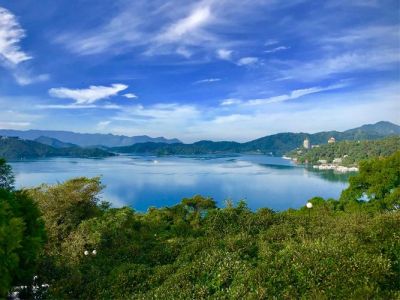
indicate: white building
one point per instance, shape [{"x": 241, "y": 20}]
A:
[{"x": 307, "y": 144}]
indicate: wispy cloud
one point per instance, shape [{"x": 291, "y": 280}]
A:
[
  {"x": 89, "y": 95},
  {"x": 344, "y": 63},
  {"x": 207, "y": 80},
  {"x": 231, "y": 101},
  {"x": 130, "y": 96},
  {"x": 246, "y": 61},
  {"x": 74, "y": 106},
  {"x": 224, "y": 54},
  {"x": 271, "y": 42},
  {"x": 12, "y": 56},
  {"x": 103, "y": 125},
  {"x": 24, "y": 77},
  {"x": 11, "y": 33},
  {"x": 188, "y": 25},
  {"x": 186, "y": 28},
  {"x": 277, "y": 49},
  {"x": 294, "y": 94}
]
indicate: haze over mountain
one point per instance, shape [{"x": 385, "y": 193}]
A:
[
  {"x": 84, "y": 139},
  {"x": 277, "y": 144},
  {"x": 12, "y": 148},
  {"x": 53, "y": 142}
]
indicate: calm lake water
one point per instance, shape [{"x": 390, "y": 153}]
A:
[{"x": 144, "y": 181}]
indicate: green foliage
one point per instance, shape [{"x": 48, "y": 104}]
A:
[
  {"x": 351, "y": 152},
  {"x": 6, "y": 176},
  {"x": 21, "y": 239},
  {"x": 65, "y": 206},
  {"x": 194, "y": 250},
  {"x": 347, "y": 249},
  {"x": 378, "y": 182}
]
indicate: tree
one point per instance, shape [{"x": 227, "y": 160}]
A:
[
  {"x": 66, "y": 205},
  {"x": 22, "y": 237},
  {"x": 6, "y": 175},
  {"x": 198, "y": 207},
  {"x": 378, "y": 182}
]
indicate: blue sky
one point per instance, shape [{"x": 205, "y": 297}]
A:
[{"x": 213, "y": 69}]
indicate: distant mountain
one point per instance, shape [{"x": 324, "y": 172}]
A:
[
  {"x": 277, "y": 144},
  {"x": 53, "y": 142},
  {"x": 86, "y": 139},
  {"x": 201, "y": 147},
  {"x": 12, "y": 148}
]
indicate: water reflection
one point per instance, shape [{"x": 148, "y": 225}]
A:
[{"x": 143, "y": 181}]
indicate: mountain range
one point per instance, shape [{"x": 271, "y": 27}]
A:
[
  {"x": 85, "y": 139},
  {"x": 277, "y": 144},
  {"x": 13, "y": 148},
  {"x": 42, "y": 143}
]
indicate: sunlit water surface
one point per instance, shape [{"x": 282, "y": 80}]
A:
[{"x": 144, "y": 181}]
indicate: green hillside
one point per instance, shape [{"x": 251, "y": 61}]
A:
[
  {"x": 277, "y": 144},
  {"x": 17, "y": 149},
  {"x": 347, "y": 152}
]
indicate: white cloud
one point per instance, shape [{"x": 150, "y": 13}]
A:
[
  {"x": 13, "y": 125},
  {"x": 276, "y": 49},
  {"x": 224, "y": 54},
  {"x": 231, "y": 101},
  {"x": 381, "y": 59},
  {"x": 11, "y": 33},
  {"x": 103, "y": 125},
  {"x": 271, "y": 42},
  {"x": 24, "y": 78},
  {"x": 234, "y": 118},
  {"x": 207, "y": 80},
  {"x": 78, "y": 106},
  {"x": 241, "y": 123},
  {"x": 183, "y": 51},
  {"x": 130, "y": 96},
  {"x": 89, "y": 95},
  {"x": 196, "y": 19},
  {"x": 294, "y": 94},
  {"x": 246, "y": 61}
]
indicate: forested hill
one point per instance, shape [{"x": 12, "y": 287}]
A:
[
  {"x": 348, "y": 153},
  {"x": 16, "y": 149},
  {"x": 277, "y": 144}
]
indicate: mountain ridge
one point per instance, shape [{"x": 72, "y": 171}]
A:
[
  {"x": 12, "y": 148},
  {"x": 276, "y": 144},
  {"x": 84, "y": 139}
]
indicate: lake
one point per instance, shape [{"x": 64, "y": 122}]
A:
[{"x": 144, "y": 181}]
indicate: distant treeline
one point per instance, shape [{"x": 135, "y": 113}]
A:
[
  {"x": 277, "y": 144},
  {"x": 348, "y": 152},
  {"x": 16, "y": 149},
  {"x": 80, "y": 248}
]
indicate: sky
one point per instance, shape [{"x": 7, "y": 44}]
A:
[{"x": 193, "y": 70}]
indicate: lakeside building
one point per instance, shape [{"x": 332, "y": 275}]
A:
[
  {"x": 332, "y": 140},
  {"x": 307, "y": 143}
]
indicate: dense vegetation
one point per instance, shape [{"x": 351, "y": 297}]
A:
[
  {"x": 277, "y": 144},
  {"x": 22, "y": 234},
  {"x": 14, "y": 148},
  {"x": 350, "y": 152},
  {"x": 338, "y": 249}
]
